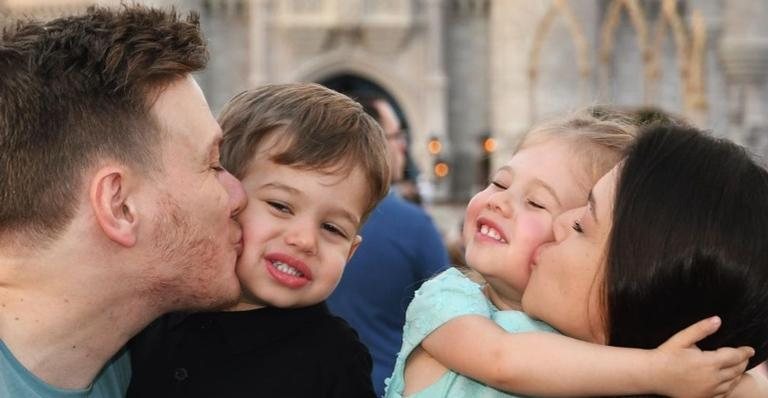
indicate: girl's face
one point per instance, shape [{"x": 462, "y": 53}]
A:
[
  {"x": 508, "y": 220},
  {"x": 567, "y": 276}
]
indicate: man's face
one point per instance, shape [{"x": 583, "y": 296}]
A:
[
  {"x": 194, "y": 236},
  {"x": 396, "y": 144}
]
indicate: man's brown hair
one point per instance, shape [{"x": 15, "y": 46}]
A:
[
  {"x": 319, "y": 129},
  {"x": 78, "y": 89}
]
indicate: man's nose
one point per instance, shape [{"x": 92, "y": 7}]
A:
[{"x": 237, "y": 197}]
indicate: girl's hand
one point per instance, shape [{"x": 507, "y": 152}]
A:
[{"x": 683, "y": 370}]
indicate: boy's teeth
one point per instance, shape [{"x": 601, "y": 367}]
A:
[{"x": 286, "y": 269}]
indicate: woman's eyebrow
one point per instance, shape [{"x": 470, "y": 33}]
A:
[{"x": 591, "y": 206}]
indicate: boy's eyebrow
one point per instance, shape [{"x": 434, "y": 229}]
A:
[
  {"x": 349, "y": 216},
  {"x": 283, "y": 187},
  {"x": 591, "y": 206}
]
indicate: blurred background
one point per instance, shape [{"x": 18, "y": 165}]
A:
[{"x": 469, "y": 76}]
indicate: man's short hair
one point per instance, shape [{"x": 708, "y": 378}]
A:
[
  {"x": 324, "y": 131},
  {"x": 78, "y": 89}
]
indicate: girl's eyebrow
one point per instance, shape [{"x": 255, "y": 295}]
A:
[{"x": 537, "y": 182}]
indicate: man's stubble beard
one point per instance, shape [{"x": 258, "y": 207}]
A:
[{"x": 188, "y": 263}]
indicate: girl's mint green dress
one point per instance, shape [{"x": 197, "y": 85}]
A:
[{"x": 447, "y": 296}]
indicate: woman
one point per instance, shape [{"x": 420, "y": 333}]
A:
[{"x": 675, "y": 233}]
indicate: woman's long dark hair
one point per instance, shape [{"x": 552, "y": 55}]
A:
[{"x": 689, "y": 240}]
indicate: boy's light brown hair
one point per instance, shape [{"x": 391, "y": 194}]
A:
[{"x": 320, "y": 130}]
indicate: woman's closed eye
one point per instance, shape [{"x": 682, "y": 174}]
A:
[{"x": 577, "y": 226}]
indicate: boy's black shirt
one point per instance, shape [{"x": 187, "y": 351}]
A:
[{"x": 268, "y": 352}]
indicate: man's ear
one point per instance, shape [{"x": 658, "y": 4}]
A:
[
  {"x": 355, "y": 244},
  {"x": 112, "y": 204}
]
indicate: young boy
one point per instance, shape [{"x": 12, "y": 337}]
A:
[{"x": 313, "y": 165}]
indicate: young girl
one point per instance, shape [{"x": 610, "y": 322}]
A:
[{"x": 461, "y": 337}]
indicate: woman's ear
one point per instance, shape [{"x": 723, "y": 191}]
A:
[{"x": 112, "y": 203}]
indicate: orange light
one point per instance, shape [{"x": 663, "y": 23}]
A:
[
  {"x": 441, "y": 169},
  {"x": 434, "y": 146},
  {"x": 489, "y": 145}
]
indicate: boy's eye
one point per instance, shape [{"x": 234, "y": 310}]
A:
[
  {"x": 536, "y": 205},
  {"x": 334, "y": 230},
  {"x": 279, "y": 206},
  {"x": 218, "y": 168}
]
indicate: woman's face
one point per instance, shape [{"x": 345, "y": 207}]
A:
[{"x": 567, "y": 276}]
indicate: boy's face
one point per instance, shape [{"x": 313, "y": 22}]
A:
[
  {"x": 299, "y": 230},
  {"x": 507, "y": 221}
]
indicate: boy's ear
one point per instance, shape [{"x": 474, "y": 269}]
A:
[
  {"x": 112, "y": 204},
  {"x": 355, "y": 244}
]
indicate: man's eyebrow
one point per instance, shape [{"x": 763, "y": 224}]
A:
[
  {"x": 591, "y": 205},
  {"x": 213, "y": 146}
]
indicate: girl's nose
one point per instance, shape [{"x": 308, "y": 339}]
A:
[{"x": 499, "y": 202}]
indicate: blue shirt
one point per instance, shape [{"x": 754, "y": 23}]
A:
[
  {"x": 400, "y": 249},
  {"x": 17, "y": 381},
  {"x": 448, "y": 296}
]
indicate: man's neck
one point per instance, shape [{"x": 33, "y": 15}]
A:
[{"x": 64, "y": 336}]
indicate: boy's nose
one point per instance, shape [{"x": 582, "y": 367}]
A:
[{"x": 303, "y": 239}]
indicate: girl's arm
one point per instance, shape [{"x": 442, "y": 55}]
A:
[{"x": 547, "y": 364}]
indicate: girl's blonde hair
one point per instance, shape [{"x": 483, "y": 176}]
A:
[{"x": 600, "y": 138}]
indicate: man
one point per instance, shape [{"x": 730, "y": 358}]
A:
[
  {"x": 400, "y": 249},
  {"x": 114, "y": 208}
]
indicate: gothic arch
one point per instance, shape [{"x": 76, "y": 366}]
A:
[{"x": 342, "y": 63}]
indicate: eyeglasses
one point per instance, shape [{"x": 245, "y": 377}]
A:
[{"x": 399, "y": 135}]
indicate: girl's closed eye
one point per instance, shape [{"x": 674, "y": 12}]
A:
[
  {"x": 498, "y": 184},
  {"x": 536, "y": 204}
]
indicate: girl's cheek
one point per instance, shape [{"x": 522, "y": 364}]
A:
[{"x": 536, "y": 230}]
